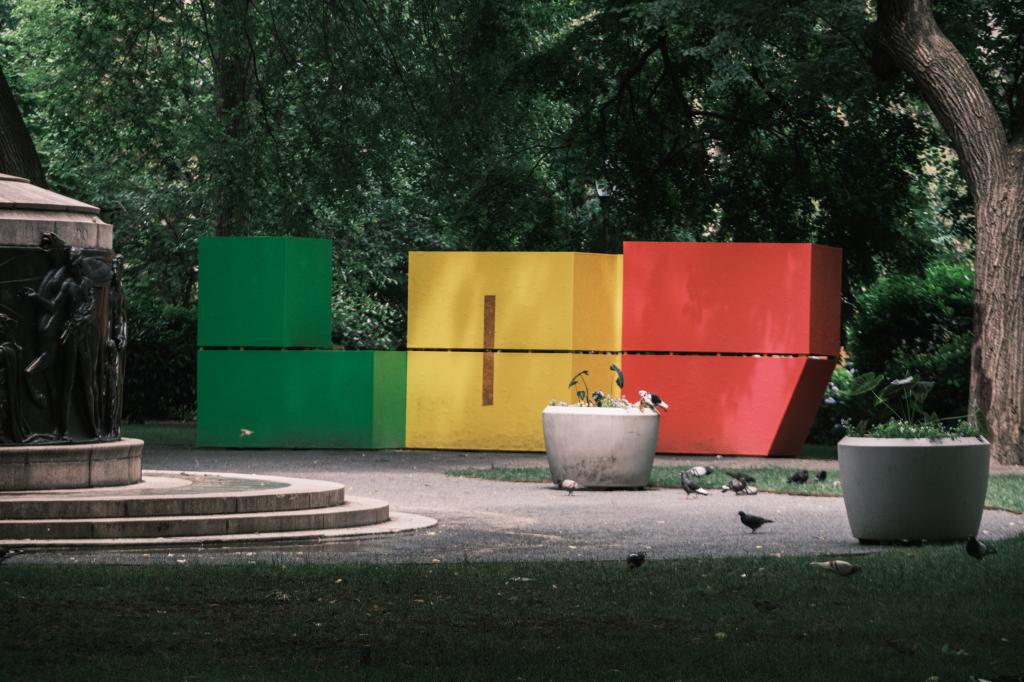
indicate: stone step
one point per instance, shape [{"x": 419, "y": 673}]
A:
[
  {"x": 354, "y": 512},
  {"x": 164, "y": 493}
]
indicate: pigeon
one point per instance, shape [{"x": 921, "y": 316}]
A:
[
  {"x": 6, "y": 553},
  {"x": 653, "y": 400},
  {"x": 822, "y": 475},
  {"x": 748, "y": 490},
  {"x": 570, "y": 485},
  {"x": 636, "y": 559},
  {"x": 740, "y": 476},
  {"x": 978, "y": 549},
  {"x": 753, "y": 522},
  {"x": 735, "y": 485},
  {"x": 690, "y": 487},
  {"x": 244, "y": 433},
  {"x": 699, "y": 471},
  {"x": 799, "y": 477},
  {"x": 843, "y": 568}
]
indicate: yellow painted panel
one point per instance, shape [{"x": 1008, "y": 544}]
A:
[
  {"x": 537, "y": 296},
  {"x": 597, "y": 312},
  {"x": 444, "y": 408}
]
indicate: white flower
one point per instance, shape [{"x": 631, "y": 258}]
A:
[{"x": 830, "y": 400}]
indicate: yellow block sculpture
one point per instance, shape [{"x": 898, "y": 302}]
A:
[{"x": 494, "y": 336}]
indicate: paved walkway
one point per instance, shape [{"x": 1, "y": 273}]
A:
[{"x": 482, "y": 520}]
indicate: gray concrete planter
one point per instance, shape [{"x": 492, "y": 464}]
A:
[
  {"x": 914, "y": 488},
  {"x": 601, "y": 447}
]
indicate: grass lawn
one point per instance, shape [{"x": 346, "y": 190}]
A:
[
  {"x": 1005, "y": 491},
  {"x": 911, "y": 614}
]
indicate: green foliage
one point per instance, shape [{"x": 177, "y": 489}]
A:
[
  {"x": 160, "y": 377},
  {"x": 902, "y": 402},
  {"x": 919, "y": 325}
]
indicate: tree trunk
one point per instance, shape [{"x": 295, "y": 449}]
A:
[
  {"x": 17, "y": 153},
  {"x": 231, "y": 58},
  {"x": 906, "y": 35},
  {"x": 997, "y": 356}
]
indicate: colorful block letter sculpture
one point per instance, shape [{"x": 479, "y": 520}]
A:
[
  {"x": 494, "y": 336},
  {"x": 740, "y": 338},
  {"x": 267, "y": 375}
]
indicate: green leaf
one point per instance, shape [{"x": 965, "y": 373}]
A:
[
  {"x": 865, "y": 383},
  {"x": 620, "y": 379},
  {"x": 582, "y": 395},
  {"x": 577, "y": 376}
]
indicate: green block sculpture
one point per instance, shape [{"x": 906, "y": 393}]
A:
[
  {"x": 264, "y": 292},
  {"x": 301, "y": 399}
]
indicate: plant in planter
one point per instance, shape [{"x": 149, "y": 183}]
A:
[
  {"x": 912, "y": 476},
  {"x": 601, "y": 441}
]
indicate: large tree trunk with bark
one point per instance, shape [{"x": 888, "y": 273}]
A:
[
  {"x": 17, "y": 153},
  {"x": 907, "y": 36},
  {"x": 231, "y": 58}
]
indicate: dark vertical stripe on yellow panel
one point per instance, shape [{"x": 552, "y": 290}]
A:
[{"x": 488, "y": 380}]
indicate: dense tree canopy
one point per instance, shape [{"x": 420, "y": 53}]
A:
[{"x": 393, "y": 125}]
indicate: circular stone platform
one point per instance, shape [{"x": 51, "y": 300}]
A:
[
  {"x": 169, "y": 507},
  {"x": 70, "y": 465}
]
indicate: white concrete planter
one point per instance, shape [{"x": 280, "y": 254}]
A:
[
  {"x": 601, "y": 447},
  {"x": 913, "y": 488}
]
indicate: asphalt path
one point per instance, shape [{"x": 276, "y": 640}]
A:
[{"x": 481, "y": 520}]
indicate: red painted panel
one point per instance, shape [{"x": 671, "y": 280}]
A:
[
  {"x": 731, "y": 405},
  {"x": 731, "y": 298}
]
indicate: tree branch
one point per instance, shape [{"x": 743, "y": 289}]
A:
[{"x": 906, "y": 30}]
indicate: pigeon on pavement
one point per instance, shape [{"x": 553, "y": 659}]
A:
[
  {"x": 636, "y": 559},
  {"x": 690, "y": 487},
  {"x": 753, "y": 522},
  {"x": 978, "y": 549},
  {"x": 799, "y": 477},
  {"x": 735, "y": 485},
  {"x": 570, "y": 485},
  {"x": 843, "y": 568}
]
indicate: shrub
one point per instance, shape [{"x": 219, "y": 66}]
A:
[
  {"x": 919, "y": 326},
  {"x": 160, "y": 367}
]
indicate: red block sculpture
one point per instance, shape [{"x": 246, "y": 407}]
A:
[{"x": 740, "y": 339}]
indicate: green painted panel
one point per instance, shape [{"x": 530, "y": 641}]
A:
[
  {"x": 300, "y": 399},
  {"x": 389, "y": 399},
  {"x": 272, "y": 292}
]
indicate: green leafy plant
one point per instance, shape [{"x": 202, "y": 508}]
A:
[
  {"x": 598, "y": 398},
  {"x": 903, "y": 401}
]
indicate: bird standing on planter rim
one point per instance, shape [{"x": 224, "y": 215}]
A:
[{"x": 653, "y": 400}]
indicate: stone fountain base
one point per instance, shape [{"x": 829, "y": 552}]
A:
[{"x": 71, "y": 465}]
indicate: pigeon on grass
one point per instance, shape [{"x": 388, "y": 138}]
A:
[
  {"x": 740, "y": 476},
  {"x": 636, "y": 559},
  {"x": 978, "y": 549},
  {"x": 800, "y": 476},
  {"x": 753, "y": 522},
  {"x": 699, "y": 471},
  {"x": 822, "y": 475},
  {"x": 838, "y": 566},
  {"x": 735, "y": 485},
  {"x": 690, "y": 487}
]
